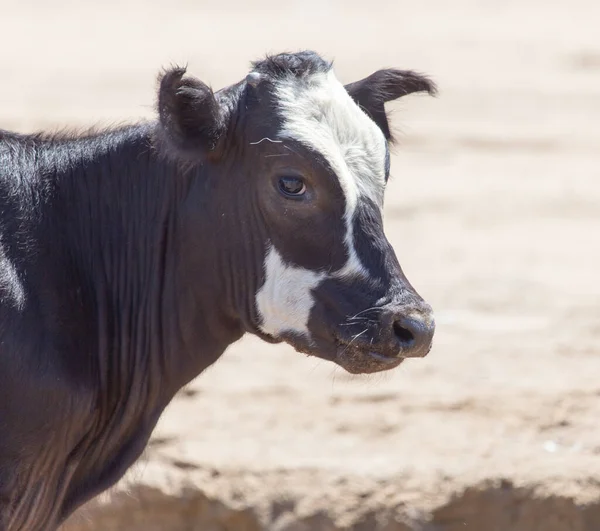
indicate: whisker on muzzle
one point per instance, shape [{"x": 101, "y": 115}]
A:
[
  {"x": 372, "y": 309},
  {"x": 352, "y": 341}
]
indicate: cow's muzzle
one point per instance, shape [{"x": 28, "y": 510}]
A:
[{"x": 393, "y": 334}]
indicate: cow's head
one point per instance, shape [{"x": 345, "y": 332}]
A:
[{"x": 299, "y": 164}]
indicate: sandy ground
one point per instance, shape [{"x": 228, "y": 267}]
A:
[{"x": 494, "y": 209}]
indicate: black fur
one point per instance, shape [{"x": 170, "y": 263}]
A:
[{"x": 299, "y": 65}]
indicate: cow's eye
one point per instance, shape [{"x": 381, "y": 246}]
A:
[{"x": 292, "y": 186}]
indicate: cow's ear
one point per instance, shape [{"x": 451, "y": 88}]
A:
[
  {"x": 191, "y": 121},
  {"x": 372, "y": 92}
]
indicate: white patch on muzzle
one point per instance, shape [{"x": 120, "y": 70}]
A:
[{"x": 285, "y": 299}]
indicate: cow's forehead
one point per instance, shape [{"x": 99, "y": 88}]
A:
[{"x": 319, "y": 113}]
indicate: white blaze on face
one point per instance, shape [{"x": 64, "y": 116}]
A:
[{"x": 320, "y": 114}]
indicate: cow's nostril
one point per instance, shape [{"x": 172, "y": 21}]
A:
[
  {"x": 413, "y": 335},
  {"x": 405, "y": 337}
]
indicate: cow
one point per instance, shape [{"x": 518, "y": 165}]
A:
[{"x": 132, "y": 257}]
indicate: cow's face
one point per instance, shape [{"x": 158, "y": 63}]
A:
[{"x": 312, "y": 158}]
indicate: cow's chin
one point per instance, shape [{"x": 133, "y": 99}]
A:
[
  {"x": 352, "y": 359},
  {"x": 356, "y": 361}
]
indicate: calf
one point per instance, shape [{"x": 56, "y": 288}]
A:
[{"x": 130, "y": 259}]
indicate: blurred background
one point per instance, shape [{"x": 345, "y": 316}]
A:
[{"x": 494, "y": 210}]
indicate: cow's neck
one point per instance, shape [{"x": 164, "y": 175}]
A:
[{"x": 142, "y": 271}]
